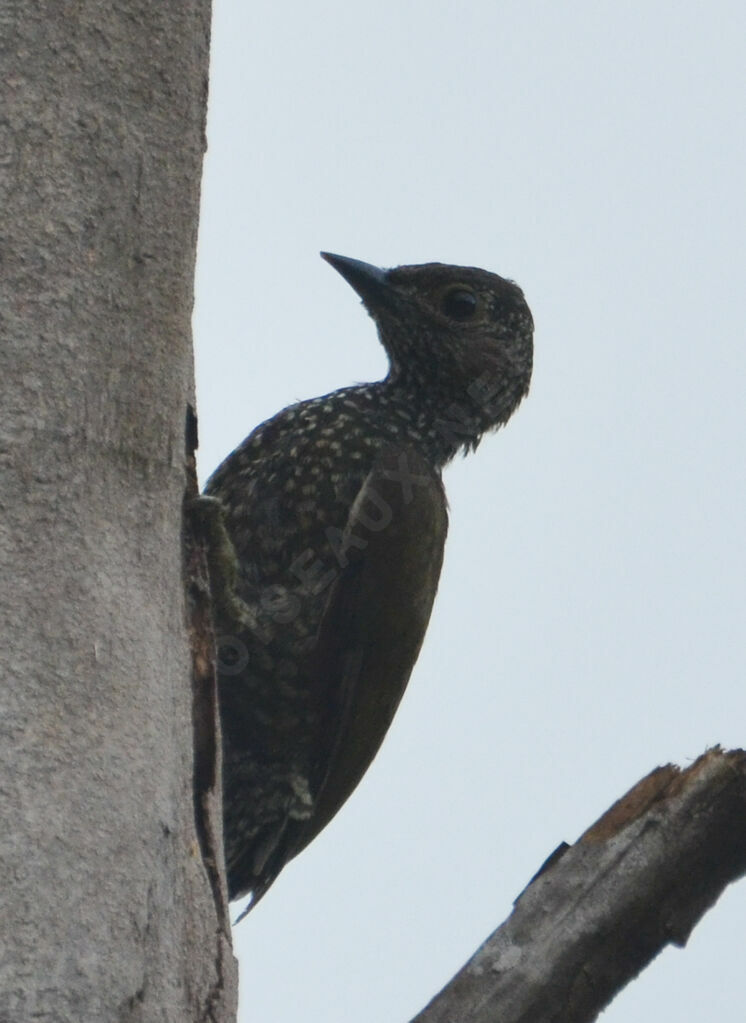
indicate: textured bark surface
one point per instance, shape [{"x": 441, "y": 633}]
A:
[
  {"x": 107, "y": 911},
  {"x": 600, "y": 910}
]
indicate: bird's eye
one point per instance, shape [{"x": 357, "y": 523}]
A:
[{"x": 459, "y": 304}]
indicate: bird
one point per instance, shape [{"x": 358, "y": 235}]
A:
[{"x": 334, "y": 517}]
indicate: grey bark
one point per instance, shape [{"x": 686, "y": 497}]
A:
[
  {"x": 602, "y": 909},
  {"x": 107, "y": 908}
]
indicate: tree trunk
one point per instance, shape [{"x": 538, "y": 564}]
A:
[{"x": 109, "y": 911}]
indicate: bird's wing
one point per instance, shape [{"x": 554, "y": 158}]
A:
[{"x": 374, "y": 623}]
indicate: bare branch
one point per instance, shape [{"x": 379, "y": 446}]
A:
[{"x": 599, "y": 911}]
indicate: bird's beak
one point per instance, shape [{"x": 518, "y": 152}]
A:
[{"x": 370, "y": 282}]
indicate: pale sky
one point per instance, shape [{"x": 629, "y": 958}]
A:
[{"x": 590, "y": 619}]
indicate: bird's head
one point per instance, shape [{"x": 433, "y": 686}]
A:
[{"x": 455, "y": 335}]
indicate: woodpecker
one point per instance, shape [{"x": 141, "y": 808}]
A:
[{"x": 334, "y": 515}]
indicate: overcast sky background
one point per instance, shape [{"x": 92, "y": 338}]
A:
[{"x": 590, "y": 619}]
